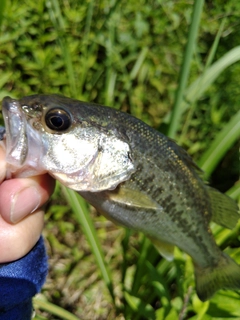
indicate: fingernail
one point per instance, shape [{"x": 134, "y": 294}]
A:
[{"x": 24, "y": 202}]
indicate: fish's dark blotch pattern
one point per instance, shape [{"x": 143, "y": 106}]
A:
[
  {"x": 178, "y": 205},
  {"x": 164, "y": 197},
  {"x": 156, "y": 191},
  {"x": 168, "y": 204}
]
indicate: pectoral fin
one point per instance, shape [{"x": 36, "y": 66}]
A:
[
  {"x": 132, "y": 198},
  {"x": 224, "y": 209},
  {"x": 164, "y": 248}
]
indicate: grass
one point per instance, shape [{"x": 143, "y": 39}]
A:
[
  {"x": 129, "y": 54},
  {"x": 184, "y": 73}
]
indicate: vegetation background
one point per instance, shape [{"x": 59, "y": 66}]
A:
[{"x": 130, "y": 54}]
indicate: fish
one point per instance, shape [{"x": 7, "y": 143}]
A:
[{"x": 134, "y": 175}]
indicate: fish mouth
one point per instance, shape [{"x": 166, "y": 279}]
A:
[
  {"x": 23, "y": 144},
  {"x": 15, "y": 135}
]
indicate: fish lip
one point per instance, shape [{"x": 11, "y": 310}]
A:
[
  {"x": 7, "y": 102},
  {"x": 15, "y": 136}
]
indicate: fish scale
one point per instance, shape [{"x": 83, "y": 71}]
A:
[{"x": 129, "y": 172}]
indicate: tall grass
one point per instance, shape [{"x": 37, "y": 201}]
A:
[
  {"x": 185, "y": 69},
  {"x": 128, "y": 54},
  {"x": 82, "y": 216}
]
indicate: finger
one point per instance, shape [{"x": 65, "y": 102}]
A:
[
  {"x": 20, "y": 197},
  {"x": 17, "y": 240}
]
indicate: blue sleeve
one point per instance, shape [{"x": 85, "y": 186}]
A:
[{"x": 20, "y": 281}]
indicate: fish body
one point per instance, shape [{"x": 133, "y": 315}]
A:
[{"x": 129, "y": 172}]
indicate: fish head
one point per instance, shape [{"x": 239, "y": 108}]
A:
[{"x": 54, "y": 134}]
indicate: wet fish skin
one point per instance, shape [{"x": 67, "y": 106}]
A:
[
  {"x": 33, "y": 148},
  {"x": 162, "y": 195}
]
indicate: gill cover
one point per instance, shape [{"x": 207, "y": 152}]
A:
[{"x": 84, "y": 157}]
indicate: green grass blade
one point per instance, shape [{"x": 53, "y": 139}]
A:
[
  {"x": 88, "y": 20},
  {"x": 138, "y": 63},
  {"x": 210, "y": 58},
  {"x": 85, "y": 47},
  {"x": 110, "y": 86},
  {"x": 234, "y": 192},
  {"x": 223, "y": 142},
  {"x": 2, "y": 7},
  {"x": 125, "y": 247},
  {"x": 193, "y": 31},
  {"x": 199, "y": 86},
  {"x": 59, "y": 25},
  {"x": 214, "y": 47},
  {"x": 203, "y": 82},
  {"x": 53, "y": 309},
  {"x": 139, "y": 306},
  {"x": 141, "y": 266},
  {"x": 81, "y": 212}
]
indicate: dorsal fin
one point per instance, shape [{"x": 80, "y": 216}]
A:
[{"x": 224, "y": 209}]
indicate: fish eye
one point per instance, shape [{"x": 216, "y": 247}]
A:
[{"x": 58, "y": 120}]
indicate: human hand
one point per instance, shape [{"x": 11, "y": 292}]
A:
[{"x": 21, "y": 216}]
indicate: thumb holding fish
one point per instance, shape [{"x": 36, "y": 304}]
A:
[{"x": 21, "y": 216}]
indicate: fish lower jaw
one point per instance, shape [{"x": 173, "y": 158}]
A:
[{"x": 25, "y": 171}]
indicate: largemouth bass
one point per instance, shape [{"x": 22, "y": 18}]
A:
[{"x": 129, "y": 172}]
